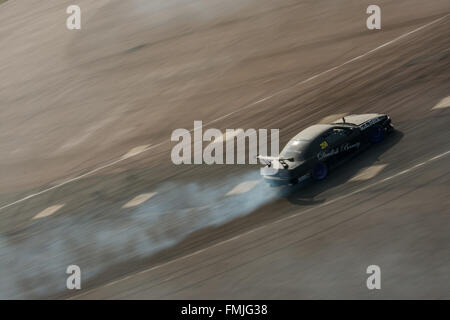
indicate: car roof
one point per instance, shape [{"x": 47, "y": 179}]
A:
[
  {"x": 357, "y": 119},
  {"x": 313, "y": 132}
]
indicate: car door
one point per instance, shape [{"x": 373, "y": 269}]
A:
[
  {"x": 332, "y": 145},
  {"x": 351, "y": 142}
]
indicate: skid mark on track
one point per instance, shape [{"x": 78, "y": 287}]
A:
[
  {"x": 295, "y": 215},
  {"x": 142, "y": 149}
]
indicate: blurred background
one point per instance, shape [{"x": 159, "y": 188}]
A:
[{"x": 86, "y": 176}]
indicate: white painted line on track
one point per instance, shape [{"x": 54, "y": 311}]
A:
[
  {"x": 150, "y": 147},
  {"x": 48, "y": 212},
  {"x": 368, "y": 173},
  {"x": 295, "y": 215},
  {"x": 444, "y": 103},
  {"x": 138, "y": 200},
  {"x": 243, "y": 187}
]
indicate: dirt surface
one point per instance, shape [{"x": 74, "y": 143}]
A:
[{"x": 76, "y": 100}]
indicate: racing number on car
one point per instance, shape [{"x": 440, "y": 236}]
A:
[{"x": 323, "y": 145}]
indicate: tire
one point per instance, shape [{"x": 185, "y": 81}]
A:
[
  {"x": 320, "y": 171},
  {"x": 377, "y": 134}
]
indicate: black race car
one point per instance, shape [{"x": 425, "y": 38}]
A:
[{"x": 319, "y": 147}]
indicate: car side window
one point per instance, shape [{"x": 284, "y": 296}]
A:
[
  {"x": 333, "y": 137},
  {"x": 326, "y": 134},
  {"x": 336, "y": 135},
  {"x": 347, "y": 131}
]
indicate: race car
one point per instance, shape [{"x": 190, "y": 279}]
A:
[{"x": 315, "y": 150}]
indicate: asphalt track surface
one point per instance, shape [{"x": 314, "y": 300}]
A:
[{"x": 75, "y": 102}]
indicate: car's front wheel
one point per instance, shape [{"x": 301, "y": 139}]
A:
[{"x": 320, "y": 171}]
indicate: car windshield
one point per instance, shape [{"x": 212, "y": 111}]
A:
[{"x": 294, "y": 149}]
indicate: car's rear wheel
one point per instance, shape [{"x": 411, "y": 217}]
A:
[
  {"x": 320, "y": 171},
  {"x": 377, "y": 134}
]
